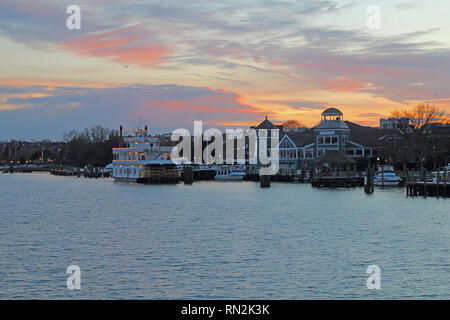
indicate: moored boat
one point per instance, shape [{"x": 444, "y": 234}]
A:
[
  {"x": 138, "y": 151},
  {"x": 386, "y": 177},
  {"x": 442, "y": 175},
  {"x": 231, "y": 173}
]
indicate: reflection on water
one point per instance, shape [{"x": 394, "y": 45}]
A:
[{"x": 217, "y": 240}]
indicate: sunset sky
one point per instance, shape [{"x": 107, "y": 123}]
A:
[{"x": 228, "y": 63}]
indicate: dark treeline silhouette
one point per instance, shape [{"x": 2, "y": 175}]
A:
[{"x": 90, "y": 146}]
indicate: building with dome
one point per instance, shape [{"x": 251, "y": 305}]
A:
[
  {"x": 332, "y": 132},
  {"x": 334, "y": 135}
]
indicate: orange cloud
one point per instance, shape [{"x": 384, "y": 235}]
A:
[
  {"x": 126, "y": 45},
  {"x": 224, "y": 102},
  {"x": 343, "y": 84}
]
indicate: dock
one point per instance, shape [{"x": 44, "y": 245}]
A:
[
  {"x": 337, "y": 182},
  {"x": 428, "y": 189}
]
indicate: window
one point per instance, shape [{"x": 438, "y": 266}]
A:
[
  {"x": 327, "y": 140},
  {"x": 309, "y": 154}
]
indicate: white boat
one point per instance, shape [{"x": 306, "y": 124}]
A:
[
  {"x": 386, "y": 177},
  {"x": 231, "y": 173},
  {"x": 442, "y": 174},
  {"x": 139, "y": 150}
]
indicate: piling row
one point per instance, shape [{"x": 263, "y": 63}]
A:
[{"x": 416, "y": 189}]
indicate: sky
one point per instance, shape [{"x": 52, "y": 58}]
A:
[{"x": 228, "y": 63}]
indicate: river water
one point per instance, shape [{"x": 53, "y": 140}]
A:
[{"x": 217, "y": 240}]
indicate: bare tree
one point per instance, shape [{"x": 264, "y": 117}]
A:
[
  {"x": 291, "y": 125},
  {"x": 98, "y": 133},
  {"x": 418, "y": 136}
]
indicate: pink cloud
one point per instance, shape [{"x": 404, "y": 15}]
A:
[
  {"x": 224, "y": 102},
  {"x": 124, "y": 45}
]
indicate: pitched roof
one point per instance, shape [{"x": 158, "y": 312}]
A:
[
  {"x": 300, "y": 139},
  {"x": 266, "y": 124},
  {"x": 331, "y": 124},
  {"x": 366, "y": 136}
]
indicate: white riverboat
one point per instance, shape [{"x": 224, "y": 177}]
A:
[
  {"x": 138, "y": 150},
  {"x": 229, "y": 173},
  {"x": 386, "y": 177}
]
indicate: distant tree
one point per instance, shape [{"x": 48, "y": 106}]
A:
[
  {"x": 418, "y": 137},
  {"x": 98, "y": 133},
  {"x": 70, "y": 135},
  {"x": 291, "y": 125}
]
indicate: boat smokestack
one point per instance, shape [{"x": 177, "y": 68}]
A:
[
  {"x": 121, "y": 137},
  {"x": 146, "y": 128}
]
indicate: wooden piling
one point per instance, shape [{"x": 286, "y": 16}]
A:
[
  {"x": 188, "y": 175},
  {"x": 425, "y": 184},
  {"x": 264, "y": 181},
  {"x": 438, "y": 184},
  {"x": 445, "y": 181},
  {"x": 368, "y": 185}
]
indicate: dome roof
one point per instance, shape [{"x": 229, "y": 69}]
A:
[{"x": 332, "y": 112}]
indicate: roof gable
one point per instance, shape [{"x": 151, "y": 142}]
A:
[{"x": 266, "y": 124}]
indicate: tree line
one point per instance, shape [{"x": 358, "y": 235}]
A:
[{"x": 89, "y": 146}]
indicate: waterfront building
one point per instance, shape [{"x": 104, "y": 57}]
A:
[{"x": 301, "y": 149}]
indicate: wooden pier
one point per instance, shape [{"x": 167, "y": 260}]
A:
[
  {"x": 337, "y": 182},
  {"x": 197, "y": 174},
  {"x": 428, "y": 189},
  {"x": 90, "y": 172},
  {"x": 26, "y": 169}
]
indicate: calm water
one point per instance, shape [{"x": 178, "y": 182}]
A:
[{"x": 217, "y": 240}]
